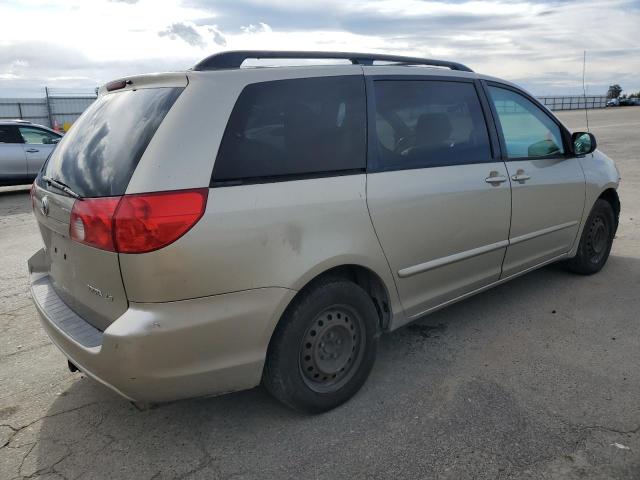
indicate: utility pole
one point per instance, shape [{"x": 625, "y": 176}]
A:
[{"x": 46, "y": 95}]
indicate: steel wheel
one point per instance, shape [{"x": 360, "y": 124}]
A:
[
  {"x": 331, "y": 349},
  {"x": 598, "y": 239},
  {"x": 324, "y": 346}
]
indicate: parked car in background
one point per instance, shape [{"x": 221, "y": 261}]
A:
[
  {"x": 269, "y": 224},
  {"x": 24, "y": 147},
  {"x": 629, "y": 102},
  {"x": 613, "y": 102}
]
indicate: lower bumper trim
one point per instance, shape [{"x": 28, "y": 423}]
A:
[{"x": 62, "y": 316}]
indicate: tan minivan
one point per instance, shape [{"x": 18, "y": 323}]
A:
[{"x": 214, "y": 229}]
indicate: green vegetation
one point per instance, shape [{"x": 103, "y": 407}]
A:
[{"x": 614, "y": 91}]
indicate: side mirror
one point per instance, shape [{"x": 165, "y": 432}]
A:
[{"x": 583, "y": 143}]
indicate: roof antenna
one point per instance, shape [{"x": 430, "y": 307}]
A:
[{"x": 584, "y": 87}]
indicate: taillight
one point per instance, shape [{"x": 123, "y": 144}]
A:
[
  {"x": 92, "y": 222},
  {"x": 150, "y": 221},
  {"x": 136, "y": 223}
]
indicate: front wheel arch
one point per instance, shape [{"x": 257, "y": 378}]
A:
[{"x": 610, "y": 195}]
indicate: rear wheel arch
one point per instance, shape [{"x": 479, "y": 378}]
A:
[
  {"x": 365, "y": 278},
  {"x": 371, "y": 283}
]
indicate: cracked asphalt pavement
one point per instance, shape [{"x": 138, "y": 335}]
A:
[{"x": 535, "y": 379}]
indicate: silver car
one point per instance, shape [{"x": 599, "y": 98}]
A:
[
  {"x": 210, "y": 230},
  {"x": 24, "y": 147}
]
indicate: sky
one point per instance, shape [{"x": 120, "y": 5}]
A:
[{"x": 76, "y": 45}]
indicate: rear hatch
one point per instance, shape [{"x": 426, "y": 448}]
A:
[{"x": 95, "y": 161}]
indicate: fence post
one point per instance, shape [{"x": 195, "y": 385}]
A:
[
  {"x": 46, "y": 94},
  {"x": 20, "y": 110}
]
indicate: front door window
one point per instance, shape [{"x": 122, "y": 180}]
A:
[{"x": 528, "y": 131}]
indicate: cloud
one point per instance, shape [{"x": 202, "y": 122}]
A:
[
  {"x": 185, "y": 32},
  {"x": 537, "y": 43},
  {"x": 27, "y": 67},
  {"x": 520, "y": 40},
  {"x": 373, "y": 17},
  {"x": 218, "y": 37},
  {"x": 259, "y": 28}
]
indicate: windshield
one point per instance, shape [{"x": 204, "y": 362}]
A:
[{"x": 98, "y": 156}]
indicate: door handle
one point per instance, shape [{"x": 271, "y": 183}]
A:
[
  {"x": 520, "y": 177},
  {"x": 32, "y": 150},
  {"x": 495, "y": 179}
]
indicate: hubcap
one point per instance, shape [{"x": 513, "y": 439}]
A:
[
  {"x": 332, "y": 349},
  {"x": 598, "y": 239}
]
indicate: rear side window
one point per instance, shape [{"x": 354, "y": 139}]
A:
[
  {"x": 528, "y": 131},
  {"x": 9, "y": 134},
  {"x": 429, "y": 123},
  {"x": 98, "y": 156},
  {"x": 294, "y": 127}
]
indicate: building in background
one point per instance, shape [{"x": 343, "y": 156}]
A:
[{"x": 54, "y": 110}]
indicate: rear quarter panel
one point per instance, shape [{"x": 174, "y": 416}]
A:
[{"x": 266, "y": 235}]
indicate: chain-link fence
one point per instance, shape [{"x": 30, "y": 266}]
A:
[{"x": 576, "y": 102}]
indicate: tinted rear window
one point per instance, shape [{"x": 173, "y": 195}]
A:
[
  {"x": 98, "y": 156},
  {"x": 294, "y": 127},
  {"x": 428, "y": 123}
]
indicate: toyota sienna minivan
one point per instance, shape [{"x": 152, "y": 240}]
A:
[{"x": 211, "y": 230}]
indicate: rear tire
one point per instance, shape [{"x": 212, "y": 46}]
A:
[
  {"x": 323, "y": 348},
  {"x": 596, "y": 240}
]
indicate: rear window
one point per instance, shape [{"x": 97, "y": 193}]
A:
[
  {"x": 294, "y": 127},
  {"x": 98, "y": 156}
]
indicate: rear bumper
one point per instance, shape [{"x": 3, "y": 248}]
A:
[{"x": 166, "y": 351}]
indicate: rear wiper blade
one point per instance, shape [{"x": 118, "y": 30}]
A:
[{"x": 61, "y": 186}]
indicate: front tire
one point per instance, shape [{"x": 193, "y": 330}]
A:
[
  {"x": 324, "y": 347},
  {"x": 596, "y": 240}
]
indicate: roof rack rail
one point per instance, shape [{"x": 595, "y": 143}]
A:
[{"x": 234, "y": 59}]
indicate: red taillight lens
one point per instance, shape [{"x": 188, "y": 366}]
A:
[
  {"x": 147, "y": 222},
  {"x": 92, "y": 222},
  {"x": 136, "y": 223}
]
